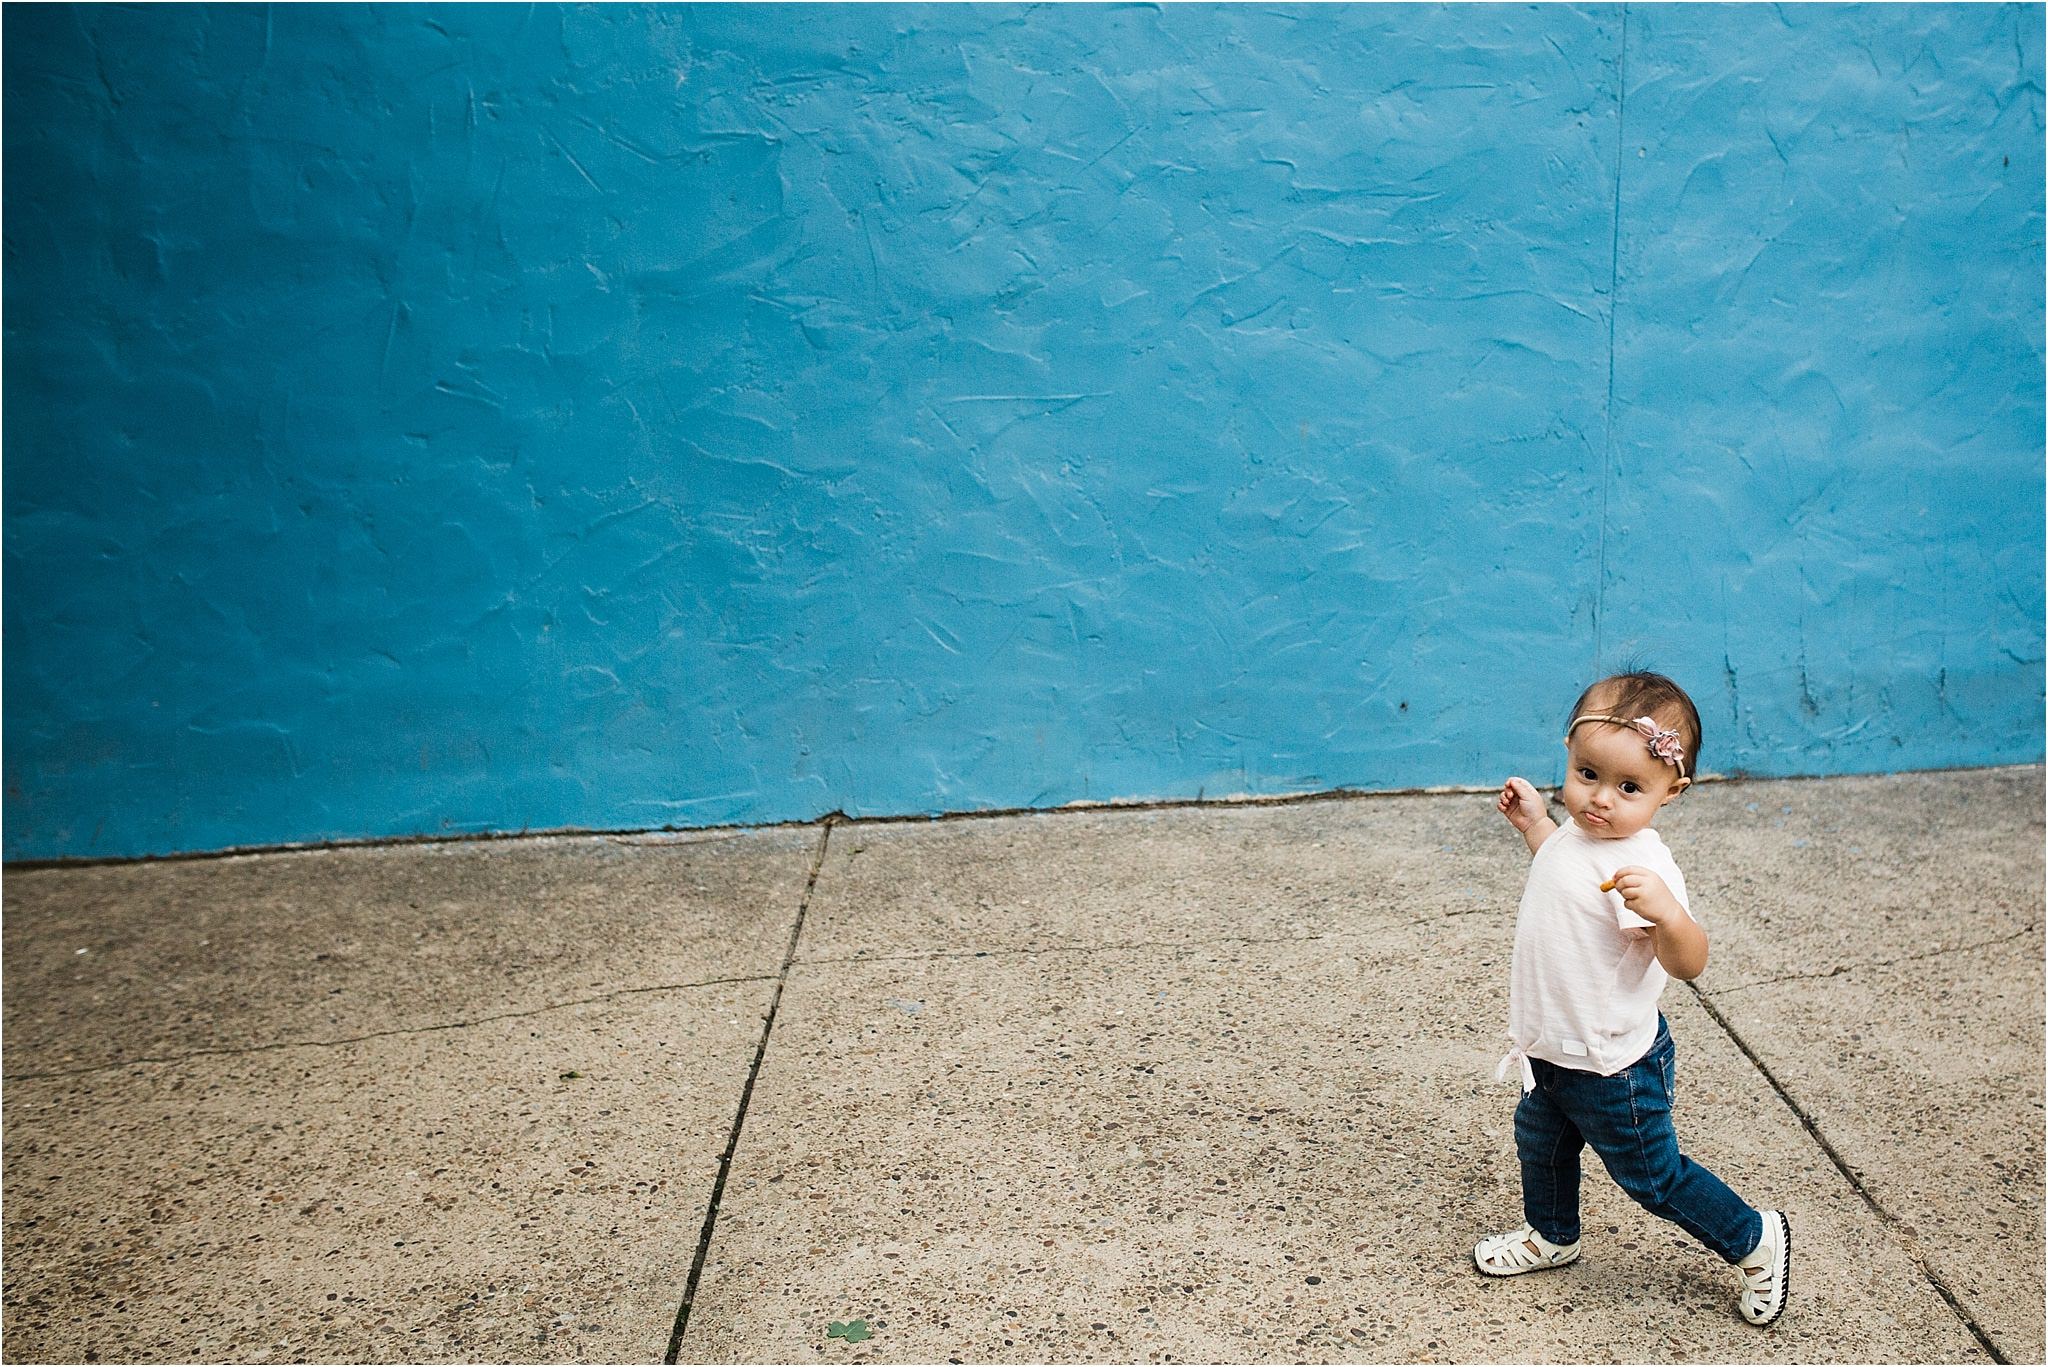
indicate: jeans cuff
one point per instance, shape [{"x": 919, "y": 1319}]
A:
[{"x": 1754, "y": 1239}]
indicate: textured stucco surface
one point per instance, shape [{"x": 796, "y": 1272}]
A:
[{"x": 441, "y": 419}]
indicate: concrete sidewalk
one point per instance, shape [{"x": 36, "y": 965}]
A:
[{"x": 1201, "y": 1083}]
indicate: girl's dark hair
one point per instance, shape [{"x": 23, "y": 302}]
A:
[{"x": 1640, "y": 693}]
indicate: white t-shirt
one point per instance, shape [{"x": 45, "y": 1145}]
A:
[{"x": 1584, "y": 988}]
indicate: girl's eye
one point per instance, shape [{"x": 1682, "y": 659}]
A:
[
  {"x": 1630, "y": 788},
  {"x": 1586, "y": 774}
]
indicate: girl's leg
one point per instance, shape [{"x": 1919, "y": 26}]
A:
[
  {"x": 1627, "y": 1120},
  {"x": 1549, "y": 1144}
]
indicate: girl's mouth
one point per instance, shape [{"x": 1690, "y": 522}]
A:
[{"x": 1596, "y": 820}]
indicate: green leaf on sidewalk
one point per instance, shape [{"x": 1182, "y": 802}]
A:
[{"x": 853, "y": 1331}]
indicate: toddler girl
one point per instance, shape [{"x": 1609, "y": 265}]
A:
[{"x": 1604, "y": 921}]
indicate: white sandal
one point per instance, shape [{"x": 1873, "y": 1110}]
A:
[
  {"x": 1766, "y": 1274},
  {"x": 1519, "y": 1251}
]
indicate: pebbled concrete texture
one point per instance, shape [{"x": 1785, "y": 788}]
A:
[
  {"x": 1210, "y": 1084},
  {"x": 436, "y": 419},
  {"x": 1273, "y": 1152},
  {"x": 143, "y": 961},
  {"x": 399, "y": 1104},
  {"x": 1185, "y": 875},
  {"x": 1824, "y": 877},
  {"x": 523, "y": 1189},
  {"x": 1925, "y": 1077},
  {"x": 1885, "y": 959}
]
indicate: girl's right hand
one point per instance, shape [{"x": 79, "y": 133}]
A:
[{"x": 1521, "y": 804}]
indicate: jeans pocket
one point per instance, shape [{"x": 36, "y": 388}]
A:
[{"x": 1653, "y": 1072}]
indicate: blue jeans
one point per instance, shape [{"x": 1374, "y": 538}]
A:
[{"x": 1627, "y": 1120}]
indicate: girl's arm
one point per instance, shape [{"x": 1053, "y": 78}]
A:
[
  {"x": 1681, "y": 946},
  {"x": 1680, "y": 943},
  {"x": 1524, "y": 808}
]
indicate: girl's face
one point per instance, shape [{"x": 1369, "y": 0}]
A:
[{"x": 1613, "y": 785}]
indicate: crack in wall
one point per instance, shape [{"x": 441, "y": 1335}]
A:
[
  {"x": 1613, "y": 308},
  {"x": 374, "y": 1034}
]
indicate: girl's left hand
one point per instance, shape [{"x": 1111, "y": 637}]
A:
[{"x": 1644, "y": 893}]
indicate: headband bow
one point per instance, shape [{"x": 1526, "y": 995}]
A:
[{"x": 1663, "y": 744}]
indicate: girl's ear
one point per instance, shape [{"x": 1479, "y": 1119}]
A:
[{"x": 1676, "y": 789}]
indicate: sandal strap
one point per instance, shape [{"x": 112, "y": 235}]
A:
[{"x": 1513, "y": 1248}]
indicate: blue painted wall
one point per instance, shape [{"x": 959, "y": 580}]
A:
[{"x": 444, "y": 419}]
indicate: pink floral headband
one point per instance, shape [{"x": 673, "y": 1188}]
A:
[{"x": 1663, "y": 744}]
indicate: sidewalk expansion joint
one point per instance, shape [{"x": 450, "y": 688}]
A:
[
  {"x": 374, "y": 1034},
  {"x": 739, "y": 1120},
  {"x": 1348, "y": 932},
  {"x": 919, "y": 956},
  {"x": 1897, "y": 1227},
  {"x": 1840, "y": 969},
  {"x": 1489, "y": 909}
]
